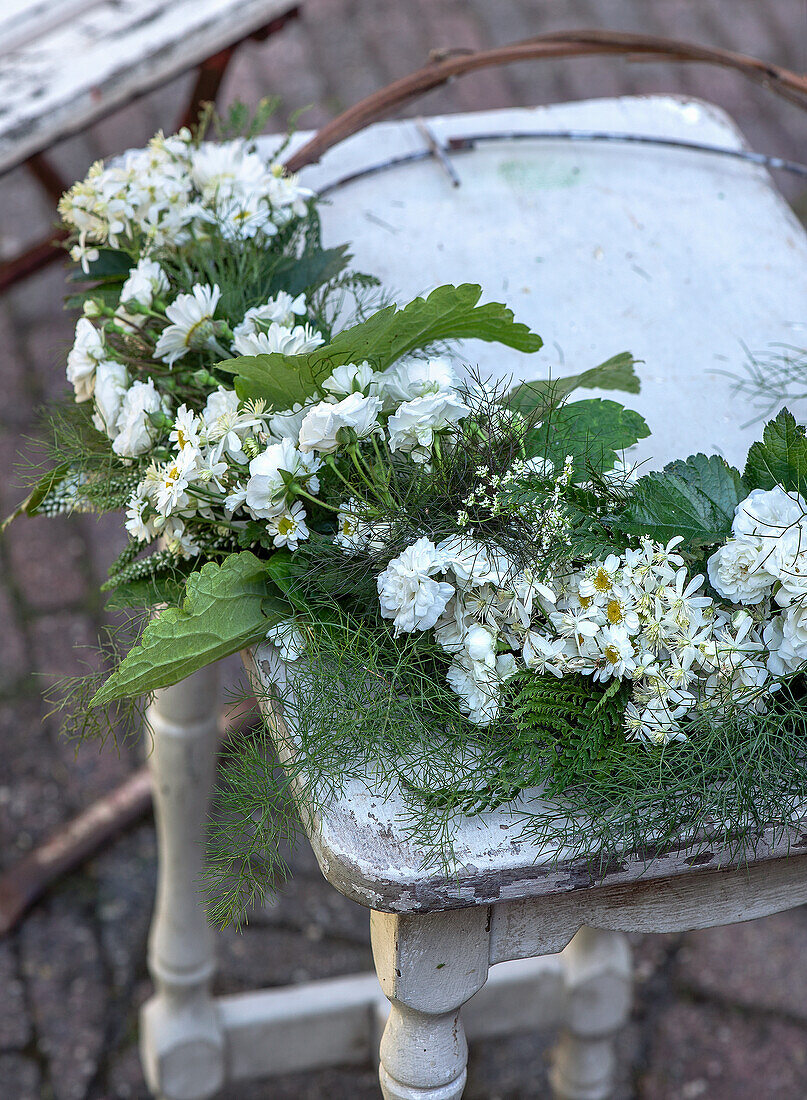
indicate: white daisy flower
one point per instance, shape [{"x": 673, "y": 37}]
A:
[
  {"x": 278, "y": 339},
  {"x": 187, "y": 427},
  {"x": 176, "y": 475},
  {"x": 289, "y": 529},
  {"x": 191, "y": 317}
]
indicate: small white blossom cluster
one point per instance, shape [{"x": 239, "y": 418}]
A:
[
  {"x": 174, "y": 190},
  {"x": 131, "y": 412},
  {"x": 496, "y": 494},
  {"x": 764, "y": 565},
  {"x": 637, "y": 617},
  {"x": 236, "y": 462}
]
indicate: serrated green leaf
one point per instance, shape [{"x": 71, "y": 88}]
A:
[
  {"x": 449, "y": 313},
  {"x": 594, "y": 432},
  {"x": 781, "y": 457},
  {"x": 540, "y": 397},
  {"x": 226, "y": 607},
  {"x": 695, "y": 498}
]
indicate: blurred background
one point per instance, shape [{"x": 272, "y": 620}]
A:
[{"x": 719, "y": 1014}]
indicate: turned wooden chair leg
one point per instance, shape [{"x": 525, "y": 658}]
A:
[
  {"x": 428, "y": 966},
  {"x": 598, "y": 998},
  {"x": 182, "y": 1045}
]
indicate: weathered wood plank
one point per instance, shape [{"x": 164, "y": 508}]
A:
[
  {"x": 77, "y": 70},
  {"x": 681, "y": 902}
]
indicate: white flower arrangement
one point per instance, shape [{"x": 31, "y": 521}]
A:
[{"x": 493, "y": 558}]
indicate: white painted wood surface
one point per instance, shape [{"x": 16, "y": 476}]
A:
[
  {"x": 182, "y": 1040},
  {"x": 682, "y": 258},
  {"x": 339, "y": 1021},
  {"x": 64, "y": 63}
]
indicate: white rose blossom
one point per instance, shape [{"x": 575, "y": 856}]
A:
[
  {"x": 353, "y": 378},
  {"x": 273, "y": 475},
  {"x": 83, "y": 358},
  {"x": 737, "y": 571},
  {"x": 111, "y": 384},
  {"x": 413, "y": 425},
  {"x": 321, "y": 425},
  {"x": 417, "y": 378},
  {"x": 136, "y": 431},
  {"x": 145, "y": 282},
  {"x": 280, "y": 310},
  {"x": 407, "y": 591}
]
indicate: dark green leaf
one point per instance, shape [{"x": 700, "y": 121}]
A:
[
  {"x": 111, "y": 264},
  {"x": 594, "y": 432},
  {"x": 226, "y": 607},
  {"x": 781, "y": 457},
  {"x": 539, "y": 397},
  {"x": 449, "y": 313},
  {"x": 695, "y": 498},
  {"x": 296, "y": 274},
  {"x": 46, "y": 484}
]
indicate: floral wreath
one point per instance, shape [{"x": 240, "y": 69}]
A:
[{"x": 475, "y": 592}]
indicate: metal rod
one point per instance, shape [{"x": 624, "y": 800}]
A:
[
  {"x": 467, "y": 143},
  {"x": 437, "y": 149}
]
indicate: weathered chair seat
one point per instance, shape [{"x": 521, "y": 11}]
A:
[{"x": 684, "y": 258}]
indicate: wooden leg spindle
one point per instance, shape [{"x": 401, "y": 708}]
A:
[
  {"x": 598, "y": 996},
  {"x": 428, "y": 966},
  {"x": 182, "y": 1044}
]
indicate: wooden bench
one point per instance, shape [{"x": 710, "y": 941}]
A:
[
  {"x": 683, "y": 258},
  {"x": 65, "y": 64}
]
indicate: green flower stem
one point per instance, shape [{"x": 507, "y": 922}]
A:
[
  {"x": 353, "y": 451},
  {"x": 314, "y": 500},
  {"x": 206, "y": 494},
  {"x": 386, "y": 466},
  {"x": 329, "y": 462}
]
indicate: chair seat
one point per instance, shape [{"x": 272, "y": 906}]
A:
[
  {"x": 685, "y": 259},
  {"x": 65, "y": 64},
  {"x": 360, "y": 842}
]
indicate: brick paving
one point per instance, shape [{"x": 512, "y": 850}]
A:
[{"x": 718, "y": 1014}]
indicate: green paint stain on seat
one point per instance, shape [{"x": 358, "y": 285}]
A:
[{"x": 532, "y": 175}]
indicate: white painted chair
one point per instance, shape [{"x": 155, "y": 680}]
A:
[
  {"x": 682, "y": 258},
  {"x": 66, "y": 63}
]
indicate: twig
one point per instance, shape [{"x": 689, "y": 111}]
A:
[
  {"x": 584, "y": 43},
  {"x": 70, "y": 845}
]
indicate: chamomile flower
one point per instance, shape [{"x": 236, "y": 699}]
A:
[
  {"x": 278, "y": 339},
  {"x": 289, "y": 528},
  {"x": 191, "y": 316},
  {"x": 186, "y": 429},
  {"x": 176, "y": 475},
  {"x": 616, "y": 650}
]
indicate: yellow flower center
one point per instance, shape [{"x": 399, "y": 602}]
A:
[
  {"x": 612, "y": 654},
  {"x": 613, "y": 612},
  {"x": 286, "y": 525},
  {"x": 602, "y": 580}
]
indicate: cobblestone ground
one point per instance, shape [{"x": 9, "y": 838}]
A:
[{"x": 719, "y": 1014}]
